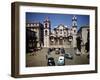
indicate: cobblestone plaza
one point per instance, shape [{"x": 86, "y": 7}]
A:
[{"x": 40, "y": 59}]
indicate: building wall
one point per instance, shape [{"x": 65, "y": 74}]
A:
[
  {"x": 84, "y": 34},
  {"x": 38, "y": 29}
]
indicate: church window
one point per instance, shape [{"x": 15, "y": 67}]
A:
[
  {"x": 34, "y": 25},
  {"x": 61, "y": 31},
  {"x": 45, "y": 32},
  {"x": 45, "y": 25},
  {"x": 74, "y": 30},
  {"x": 31, "y": 25}
]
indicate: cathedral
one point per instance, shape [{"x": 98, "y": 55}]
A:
[
  {"x": 42, "y": 35},
  {"x": 61, "y": 36}
]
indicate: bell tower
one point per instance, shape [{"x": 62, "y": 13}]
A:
[
  {"x": 74, "y": 31},
  {"x": 74, "y": 21},
  {"x": 47, "y": 27}
]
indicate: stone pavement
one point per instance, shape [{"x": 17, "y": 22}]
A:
[{"x": 40, "y": 58}]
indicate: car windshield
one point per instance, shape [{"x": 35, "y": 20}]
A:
[{"x": 49, "y": 60}]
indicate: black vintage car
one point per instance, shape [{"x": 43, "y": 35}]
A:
[{"x": 51, "y": 61}]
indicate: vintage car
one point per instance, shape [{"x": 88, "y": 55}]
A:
[
  {"x": 62, "y": 50},
  {"x": 61, "y": 60},
  {"x": 68, "y": 56},
  {"x": 57, "y": 51},
  {"x": 51, "y": 61}
]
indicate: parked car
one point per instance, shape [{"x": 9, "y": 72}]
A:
[
  {"x": 61, "y": 61},
  {"x": 51, "y": 61},
  {"x": 68, "y": 56},
  {"x": 62, "y": 50},
  {"x": 58, "y": 48},
  {"x": 57, "y": 51},
  {"x": 53, "y": 49},
  {"x": 50, "y": 49}
]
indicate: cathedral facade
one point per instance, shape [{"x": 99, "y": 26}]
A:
[{"x": 61, "y": 36}]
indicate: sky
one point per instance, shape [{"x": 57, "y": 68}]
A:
[{"x": 56, "y": 19}]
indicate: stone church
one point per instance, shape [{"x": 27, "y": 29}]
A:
[{"x": 61, "y": 36}]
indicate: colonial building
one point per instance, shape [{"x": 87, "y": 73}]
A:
[
  {"x": 83, "y": 33},
  {"x": 37, "y": 29},
  {"x": 30, "y": 40}
]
